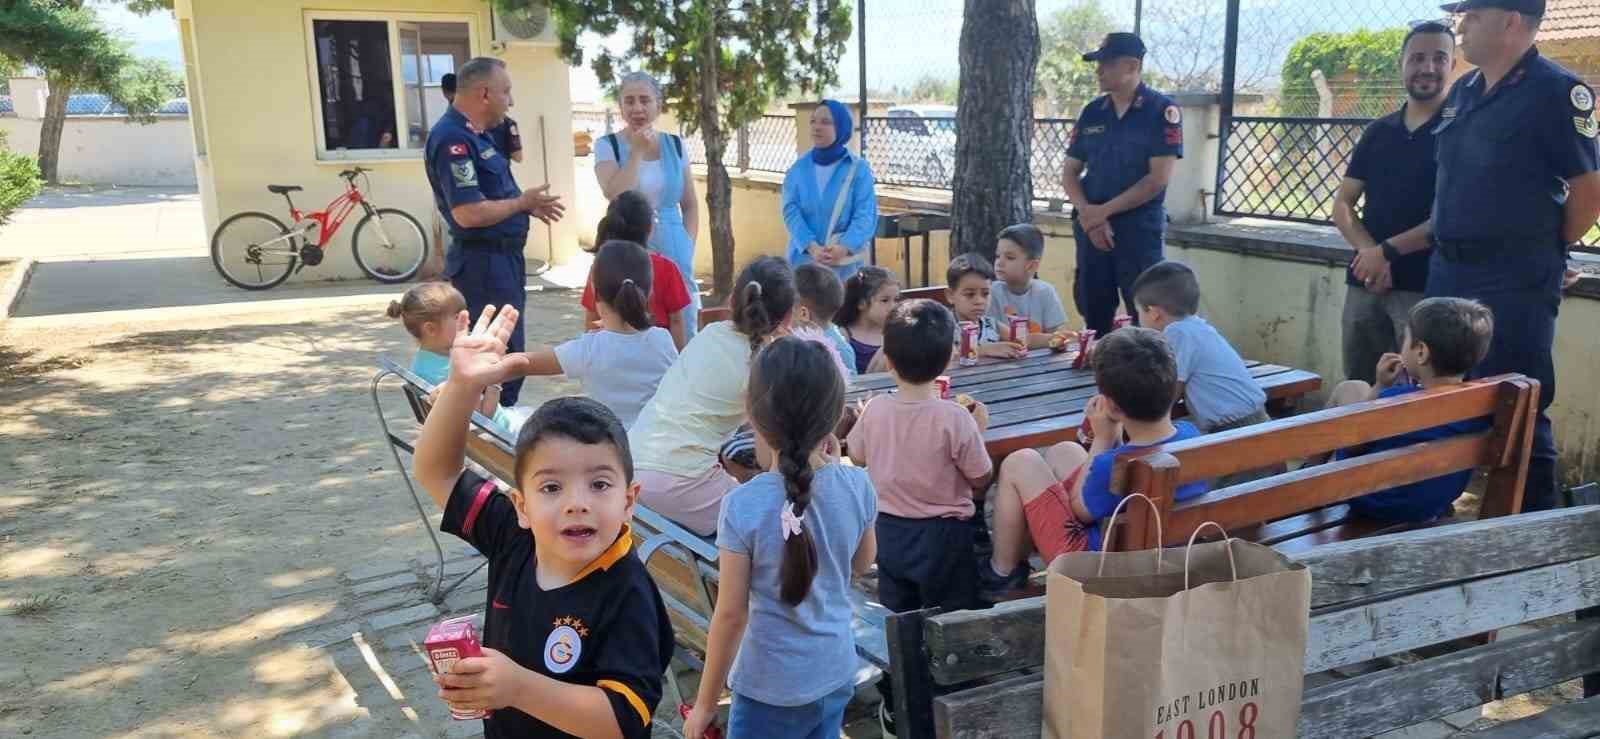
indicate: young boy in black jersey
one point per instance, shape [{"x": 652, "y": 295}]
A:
[{"x": 575, "y": 637}]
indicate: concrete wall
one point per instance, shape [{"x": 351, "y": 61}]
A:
[
  {"x": 111, "y": 151},
  {"x": 252, "y": 86}
]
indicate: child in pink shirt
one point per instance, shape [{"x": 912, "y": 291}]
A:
[{"x": 926, "y": 458}]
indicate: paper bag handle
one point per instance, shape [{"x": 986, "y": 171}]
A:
[
  {"x": 1228, "y": 540},
  {"x": 1112, "y": 522}
]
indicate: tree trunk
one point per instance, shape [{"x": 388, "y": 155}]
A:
[
  {"x": 719, "y": 189},
  {"x": 55, "y": 119},
  {"x": 993, "y": 182}
]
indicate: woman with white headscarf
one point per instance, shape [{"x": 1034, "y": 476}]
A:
[
  {"x": 830, "y": 204},
  {"x": 653, "y": 163}
]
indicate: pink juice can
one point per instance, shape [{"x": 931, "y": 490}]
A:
[
  {"x": 1019, "y": 330},
  {"x": 451, "y": 640},
  {"x": 969, "y": 343},
  {"x": 943, "y": 383},
  {"x": 1085, "y": 340}
]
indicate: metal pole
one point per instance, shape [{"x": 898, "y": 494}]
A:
[
  {"x": 861, "y": 51},
  {"x": 1138, "y": 15},
  {"x": 1230, "y": 60}
]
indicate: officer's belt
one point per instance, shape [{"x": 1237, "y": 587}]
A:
[
  {"x": 1478, "y": 251},
  {"x": 491, "y": 242}
]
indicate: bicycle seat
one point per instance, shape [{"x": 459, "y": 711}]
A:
[{"x": 283, "y": 189}]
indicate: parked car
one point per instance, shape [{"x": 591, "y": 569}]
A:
[{"x": 919, "y": 145}]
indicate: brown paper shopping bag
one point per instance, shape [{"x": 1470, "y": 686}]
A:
[{"x": 1206, "y": 648}]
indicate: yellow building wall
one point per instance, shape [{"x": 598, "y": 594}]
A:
[{"x": 250, "y": 64}]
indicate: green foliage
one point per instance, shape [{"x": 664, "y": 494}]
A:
[
  {"x": 930, "y": 89},
  {"x": 1067, "y": 80},
  {"x": 19, "y": 180},
  {"x": 1371, "y": 56},
  {"x": 768, "y": 48},
  {"x": 77, "y": 52}
]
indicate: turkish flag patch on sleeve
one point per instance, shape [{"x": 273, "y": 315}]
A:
[{"x": 458, "y": 150}]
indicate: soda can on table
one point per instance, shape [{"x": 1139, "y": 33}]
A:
[
  {"x": 943, "y": 383},
  {"x": 969, "y": 343},
  {"x": 1085, "y": 340},
  {"x": 1019, "y": 330},
  {"x": 449, "y": 641}
]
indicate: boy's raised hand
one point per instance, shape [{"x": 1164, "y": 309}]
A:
[
  {"x": 478, "y": 357},
  {"x": 1098, "y": 411},
  {"x": 1388, "y": 370}
]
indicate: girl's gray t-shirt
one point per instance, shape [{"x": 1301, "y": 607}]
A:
[{"x": 795, "y": 655}]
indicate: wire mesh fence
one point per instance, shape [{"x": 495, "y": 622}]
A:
[
  {"x": 770, "y": 143},
  {"x": 1285, "y": 168}
]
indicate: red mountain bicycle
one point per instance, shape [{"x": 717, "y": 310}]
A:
[{"x": 256, "y": 251}]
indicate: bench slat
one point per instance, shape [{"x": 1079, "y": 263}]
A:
[
  {"x": 1389, "y": 699},
  {"x": 1579, "y": 720},
  {"x": 969, "y": 645},
  {"x": 1008, "y": 708},
  {"x": 1309, "y": 487}
]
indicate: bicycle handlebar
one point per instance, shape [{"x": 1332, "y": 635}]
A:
[{"x": 350, "y": 174}]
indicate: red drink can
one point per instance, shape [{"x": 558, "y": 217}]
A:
[
  {"x": 1019, "y": 329},
  {"x": 943, "y": 381},
  {"x": 451, "y": 640},
  {"x": 1085, "y": 340},
  {"x": 969, "y": 343},
  {"x": 1086, "y": 433}
]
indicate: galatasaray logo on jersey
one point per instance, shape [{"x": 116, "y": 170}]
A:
[{"x": 564, "y": 645}]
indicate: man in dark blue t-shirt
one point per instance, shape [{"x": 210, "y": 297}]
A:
[
  {"x": 1443, "y": 340},
  {"x": 1391, "y": 177},
  {"x": 1123, "y": 150},
  {"x": 475, "y": 192}
]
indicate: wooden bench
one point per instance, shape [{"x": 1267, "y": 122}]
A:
[
  {"x": 978, "y": 673},
  {"x": 1305, "y": 507},
  {"x": 682, "y": 563}
]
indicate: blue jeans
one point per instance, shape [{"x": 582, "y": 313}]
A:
[{"x": 820, "y": 719}]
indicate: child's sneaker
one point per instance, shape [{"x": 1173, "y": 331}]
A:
[{"x": 994, "y": 587}]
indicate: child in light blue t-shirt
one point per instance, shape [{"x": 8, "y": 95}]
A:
[
  {"x": 790, "y": 539},
  {"x": 1213, "y": 380},
  {"x": 429, "y": 311}
]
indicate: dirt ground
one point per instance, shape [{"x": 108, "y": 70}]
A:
[{"x": 164, "y": 481}]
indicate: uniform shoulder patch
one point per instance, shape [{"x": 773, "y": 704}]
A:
[
  {"x": 1582, "y": 98},
  {"x": 464, "y": 173},
  {"x": 1586, "y": 125},
  {"x": 458, "y": 150},
  {"x": 1173, "y": 115}
]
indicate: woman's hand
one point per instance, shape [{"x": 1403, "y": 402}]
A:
[
  {"x": 819, "y": 254},
  {"x": 835, "y": 254},
  {"x": 643, "y": 143}
]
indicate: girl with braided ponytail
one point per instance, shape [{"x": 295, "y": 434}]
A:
[
  {"x": 701, "y": 400},
  {"x": 621, "y": 364},
  {"x": 790, "y": 539}
]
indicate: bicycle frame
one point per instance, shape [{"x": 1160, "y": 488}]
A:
[{"x": 330, "y": 219}]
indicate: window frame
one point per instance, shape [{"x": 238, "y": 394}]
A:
[{"x": 391, "y": 21}]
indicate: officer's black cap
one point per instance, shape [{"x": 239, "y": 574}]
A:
[
  {"x": 1117, "y": 45},
  {"x": 1526, "y": 7}
]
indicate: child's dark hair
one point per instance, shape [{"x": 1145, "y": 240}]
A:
[
  {"x": 1170, "y": 286},
  {"x": 622, "y": 277},
  {"x": 424, "y": 302},
  {"x": 1456, "y": 330},
  {"x": 1027, "y": 236},
  {"x": 859, "y": 289},
  {"x": 763, "y": 298},
  {"x": 971, "y": 263},
  {"x": 916, "y": 339},
  {"x": 629, "y": 217},
  {"x": 820, "y": 290},
  {"x": 583, "y": 420},
  {"x": 796, "y": 396},
  {"x": 1134, "y": 367}
]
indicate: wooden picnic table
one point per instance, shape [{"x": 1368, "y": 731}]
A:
[{"x": 1038, "y": 400}]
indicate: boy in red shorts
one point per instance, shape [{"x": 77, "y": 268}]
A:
[{"x": 1054, "y": 502}]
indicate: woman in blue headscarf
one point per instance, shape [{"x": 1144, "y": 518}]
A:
[{"x": 830, "y": 205}]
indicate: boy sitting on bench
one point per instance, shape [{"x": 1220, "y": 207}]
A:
[
  {"x": 1445, "y": 338},
  {"x": 1054, "y": 502},
  {"x": 576, "y": 637}
]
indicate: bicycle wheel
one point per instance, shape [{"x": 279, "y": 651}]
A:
[
  {"x": 253, "y": 251},
  {"x": 390, "y": 245}
]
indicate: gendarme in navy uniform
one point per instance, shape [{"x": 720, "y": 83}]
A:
[
  {"x": 1516, "y": 186},
  {"x": 472, "y": 182},
  {"x": 1116, "y": 172}
]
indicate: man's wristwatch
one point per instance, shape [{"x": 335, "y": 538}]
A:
[{"x": 1390, "y": 254}]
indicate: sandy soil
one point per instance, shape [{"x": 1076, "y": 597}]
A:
[{"x": 164, "y": 482}]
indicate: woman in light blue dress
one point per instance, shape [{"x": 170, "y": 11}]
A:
[
  {"x": 812, "y": 191},
  {"x": 653, "y": 163}
]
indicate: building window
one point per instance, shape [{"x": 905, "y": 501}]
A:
[{"x": 363, "y": 111}]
